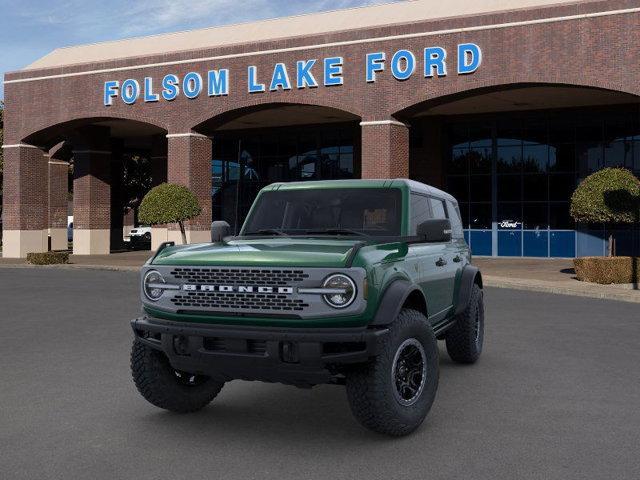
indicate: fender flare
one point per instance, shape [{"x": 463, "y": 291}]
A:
[
  {"x": 392, "y": 301},
  {"x": 470, "y": 275}
]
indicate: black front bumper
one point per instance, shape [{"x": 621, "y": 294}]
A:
[{"x": 299, "y": 356}]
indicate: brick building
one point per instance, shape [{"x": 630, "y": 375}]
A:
[{"x": 506, "y": 104}]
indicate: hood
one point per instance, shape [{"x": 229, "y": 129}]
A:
[{"x": 271, "y": 252}]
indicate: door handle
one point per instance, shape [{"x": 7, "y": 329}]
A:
[
  {"x": 457, "y": 259},
  {"x": 441, "y": 262}
]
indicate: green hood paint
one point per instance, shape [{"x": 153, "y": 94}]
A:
[{"x": 264, "y": 252}]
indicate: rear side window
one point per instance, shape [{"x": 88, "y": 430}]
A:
[
  {"x": 437, "y": 206},
  {"x": 420, "y": 211},
  {"x": 456, "y": 222}
]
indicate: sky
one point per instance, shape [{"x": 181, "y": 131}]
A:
[{"x": 29, "y": 29}]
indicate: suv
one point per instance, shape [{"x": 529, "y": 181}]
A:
[
  {"x": 348, "y": 282},
  {"x": 139, "y": 237}
]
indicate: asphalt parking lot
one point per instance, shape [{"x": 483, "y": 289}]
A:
[{"x": 555, "y": 396}]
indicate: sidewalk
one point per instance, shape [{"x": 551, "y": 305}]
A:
[
  {"x": 126, "y": 261},
  {"x": 548, "y": 275},
  {"x": 538, "y": 275}
]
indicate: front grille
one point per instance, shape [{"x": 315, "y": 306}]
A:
[
  {"x": 238, "y": 276},
  {"x": 245, "y": 292},
  {"x": 238, "y": 301}
]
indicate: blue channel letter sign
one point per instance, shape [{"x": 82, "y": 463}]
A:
[{"x": 307, "y": 73}]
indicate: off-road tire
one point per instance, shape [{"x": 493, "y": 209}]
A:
[
  {"x": 464, "y": 342},
  {"x": 157, "y": 382},
  {"x": 370, "y": 388}
]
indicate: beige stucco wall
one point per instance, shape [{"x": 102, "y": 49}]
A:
[
  {"x": 91, "y": 242},
  {"x": 17, "y": 243},
  {"x": 58, "y": 238}
]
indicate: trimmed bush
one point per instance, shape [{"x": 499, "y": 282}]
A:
[
  {"x": 48, "y": 258},
  {"x": 169, "y": 203},
  {"x": 611, "y": 195},
  {"x": 607, "y": 270}
]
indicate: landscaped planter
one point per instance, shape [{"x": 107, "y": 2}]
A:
[
  {"x": 606, "y": 270},
  {"x": 48, "y": 258}
]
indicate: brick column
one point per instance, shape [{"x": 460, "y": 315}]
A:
[
  {"x": 58, "y": 191},
  {"x": 59, "y": 157},
  {"x": 117, "y": 207},
  {"x": 189, "y": 164},
  {"x": 385, "y": 149},
  {"x": 158, "y": 160},
  {"x": 426, "y": 158},
  {"x": 92, "y": 192},
  {"x": 25, "y": 211},
  {"x": 159, "y": 233}
]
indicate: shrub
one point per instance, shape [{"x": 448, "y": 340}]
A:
[
  {"x": 607, "y": 270},
  {"x": 169, "y": 203},
  {"x": 48, "y": 258},
  {"x": 611, "y": 195}
]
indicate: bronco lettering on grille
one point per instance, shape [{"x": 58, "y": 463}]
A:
[{"x": 238, "y": 289}]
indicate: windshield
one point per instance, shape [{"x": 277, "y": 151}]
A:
[{"x": 339, "y": 211}]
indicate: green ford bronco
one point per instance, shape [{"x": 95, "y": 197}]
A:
[{"x": 348, "y": 282}]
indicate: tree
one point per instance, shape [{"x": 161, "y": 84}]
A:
[
  {"x": 169, "y": 203},
  {"x": 136, "y": 181},
  {"x": 611, "y": 195}
]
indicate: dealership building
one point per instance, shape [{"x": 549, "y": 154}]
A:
[{"x": 506, "y": 104}]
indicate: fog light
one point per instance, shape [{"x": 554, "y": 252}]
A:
[
  {"x": 289, "y": 352},
  {"x": 181, "y": 345}
]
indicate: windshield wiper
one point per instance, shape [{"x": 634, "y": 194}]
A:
[
  {"x": 337, "y": 231},
  {"x": 268, "y": 231}
]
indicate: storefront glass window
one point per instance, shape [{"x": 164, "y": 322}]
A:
[{"x": 520, "y": 176}]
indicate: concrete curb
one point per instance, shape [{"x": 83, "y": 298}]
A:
[{"x": 604, "y": 292}]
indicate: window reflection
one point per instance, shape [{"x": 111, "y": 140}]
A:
[
  {"x": 510, "y": 159},
  {"x": 619, "y": 153},
  {"x": 535, "y": 158},
  {"x": 459, "y": 160},
  {"x": 480, "y": 159},
  {"x": 538, "y": 159}
]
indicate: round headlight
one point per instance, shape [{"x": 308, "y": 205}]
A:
[
  {"x": 152, "y": 285},
  {"x": 344, "y": 291}
]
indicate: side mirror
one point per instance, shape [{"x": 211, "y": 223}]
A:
[
  {"x": 435, "y": 230},
  {"x": 219, "y": 230}
]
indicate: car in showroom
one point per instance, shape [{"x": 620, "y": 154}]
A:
[{"x": 139, "y": 238}]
